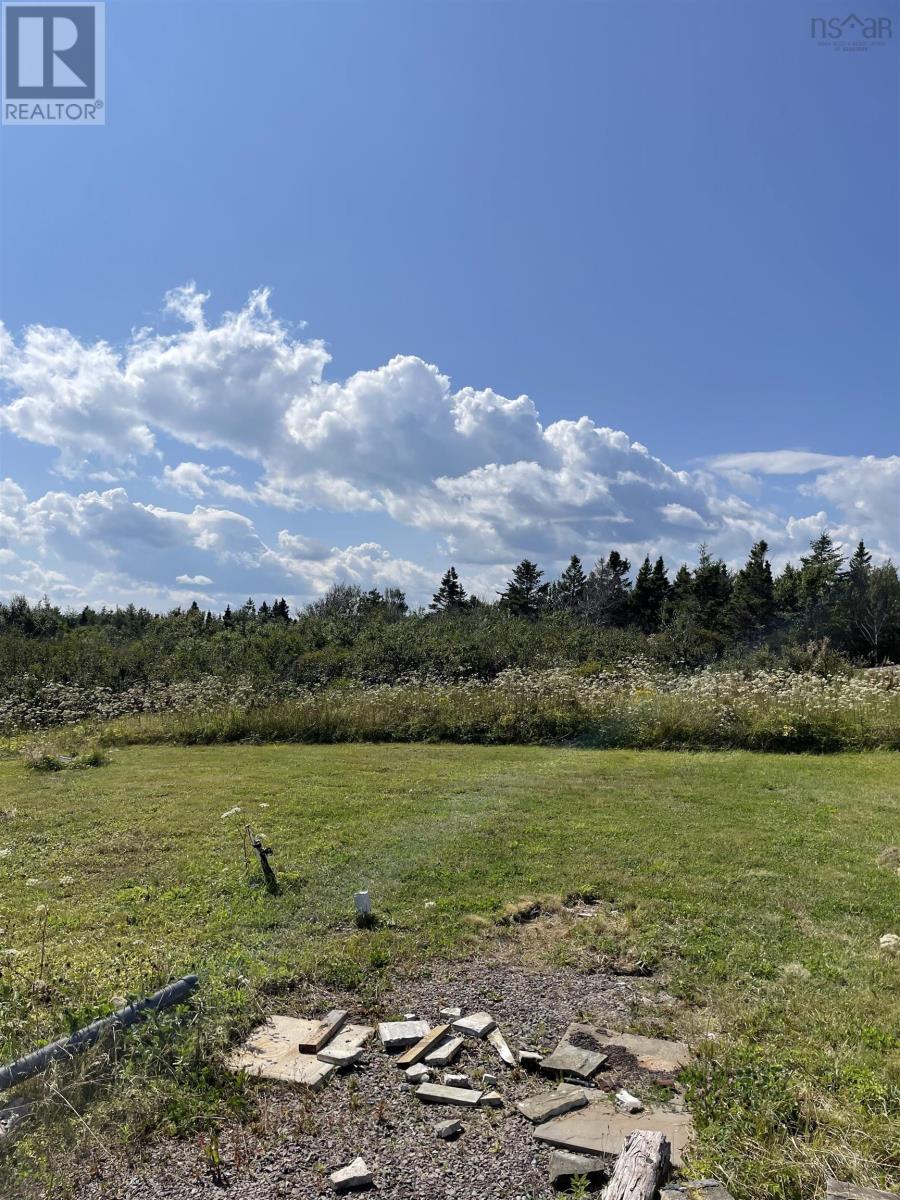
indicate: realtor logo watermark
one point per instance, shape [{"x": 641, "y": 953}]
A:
[
  {"x": 54, "y": 64},
  {"x": 851, "y": 32}
]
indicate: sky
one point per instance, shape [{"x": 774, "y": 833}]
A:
[{"x": 349, "y": 290}]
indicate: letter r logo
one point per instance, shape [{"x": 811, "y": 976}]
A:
[{"x": 50, "y": 51}]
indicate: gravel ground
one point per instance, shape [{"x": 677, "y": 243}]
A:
[{"x": 300, "y": 1139}]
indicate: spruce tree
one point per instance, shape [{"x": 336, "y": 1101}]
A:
[
  {"x": 567, "y": 594},
  {"x": 752, "y": 605},
  {"x": 450, "y": 596},
  {"x": 525, "y": 595},
  {"x": 608, "y": 589}
]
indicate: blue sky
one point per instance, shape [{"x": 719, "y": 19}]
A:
[{"x": 542, "y": 278}]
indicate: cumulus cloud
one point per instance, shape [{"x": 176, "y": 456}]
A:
[
  {"x": 200, "y": 580},
  {"x": 478, "y": 470}
]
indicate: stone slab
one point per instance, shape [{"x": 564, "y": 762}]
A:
[
  {"x": 567, "y": 1059},
  {"x": 852, "y": 1191},
  {"x": 347, "y": 1047},
  {"x": 564, "y": 1166},
  {"x": 653, "y": 1054},
  {"x": 448, "y": 1129},
  {"x": 322, "y": 1031},
  {"x": 430, "y": 1041},
  {"x": 270, "y": 1052},
  {"x": 356, "y": 1175},
  {"x": 547, "y": 1105},
  {"x": 491, "y": 1100},
  {"x": 477, "y": 1024},
  {"x": 500, "y": 1044},
  {"x": 599, "y": 1129},
  {"x": 437, "y": 1093},
  {"x": 445, "y": 1053},
  {"x": 397, "y": 1035}
]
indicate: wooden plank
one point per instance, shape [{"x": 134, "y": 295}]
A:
[
  {"x": 426, "y": 1044},
  {"x": 641, "y": 1167},
  {"x": 323, "y": 1031}
]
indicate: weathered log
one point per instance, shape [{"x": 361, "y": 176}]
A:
[
  {"x": 641, "y": 1167},
  {"x": 39, "y": 1060}
]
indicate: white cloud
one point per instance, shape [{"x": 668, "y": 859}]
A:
[
  {"x": 200, "y": 580},
  {"x": 776, "y": 462}
]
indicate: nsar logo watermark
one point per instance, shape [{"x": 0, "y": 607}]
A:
[
  {"x": 851, "y": 32},
  {"x": 54, "y": 64}
]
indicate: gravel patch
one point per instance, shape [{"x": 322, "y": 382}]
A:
[{"x": 370, "y": 1110}]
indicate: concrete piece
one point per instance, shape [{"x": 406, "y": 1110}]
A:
[
  {"x": 599, "y": 1129},
  {"x": 476, "y": 1025},
  {"x": 653, "y": 1054},
  {"x": 456, "y": 1080},
  {"x": 565, "y": 1166},
  {"x": 410, "y": 1016},
  {"x": 418, "y": 1073},
  {"x": 852, "y": 1191},
  {"x": 445, "y": 1053},
  {"x": 322, "y": 1031},
  {"x": 567, "y": 1059},
  {"x": 356, "y": 1176},
  {"x": 547, "y": 1105},
  {"x": 271, "y": 1053},
  {"x": 451, "y": 1014},
  {"x": 397, "y": 1035},
  {"x": 436, "y": 1093},
  {"x": 347, "y": 1047},
  {"x": 530, "y": 1059},
  {"x": 430, "y": 1041},
  {"x": 488, "y": 1080},
  {"x": 698, "y": 1189},
  {"x": 498, "y": 1041},
  {"x": 491, "y": 1100},
  {"x": 627, "y": 1101},
  {"x": 363, "y": 902},
  {"x": 448, "y": 1129}
]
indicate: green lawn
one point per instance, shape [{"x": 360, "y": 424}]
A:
[{"x": 748, "y": 883}]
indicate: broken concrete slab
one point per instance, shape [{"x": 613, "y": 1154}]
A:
[
  {"x": 451, "y": 1014},
  {"x": 347, "y": 1047},
  {"x": 629, "y": 1102},
  {"x": 547, "y": 1105},
  {"x": 418, "y": 1073},
  {"x": 397, "y": 1035},
  {"x": 491, "y": 1100},
  {"x": 653, "y": 1054},
  {"x": 448, "y": 1129},
  {"x": 568, "y": 1059},
  {"x": 699, "y": 1189},
  {"x": 599, "y": 1129},
  {"x": 271, "y": 1053},
  {"x": 436, "y": 1093},
  {"x": 500, "y": 1044},
  {"x": 357, "y": 1175},
  {"x": 430, "y": 1041},
  {"x": 445, "y": 1053},
  {"x": 488, "y": 1080},
  {"x": 477, "y": 1024},
  {"x": 530, "y": 1060},
  {"x": 452, "y": 1079},
  {"x": 564, "y": 1166},
  {"x": 322, "y": 1031},
  {"x": 852, "y": 1191}
]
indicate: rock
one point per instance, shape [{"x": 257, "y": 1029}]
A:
[
  {"x": 565, "y": 1166},
  {"x": 448, "y": 1129},
  {"x": 478, "y": 1024},
  {"x": 396, "y": 1035},
  {"x": 567, "y": 1059},
  {"x": 453, "y": 1080},
  {"x": 418, "y": 1073},
  {"x": 599, "y": 1129},
  {"x": 445, "y": 1053},
  {"x": 629, "y": 1102},
  {"x": 851, "y": 1191},
  {"x": 347, "y": 1047},
  {"x": 547, "y": 1105},
  {"x": 488, "y": 1080},
  {"x": 491, "y": 1100},
  {"x": 498, "y": 1041},
  {"x": 271, "y": 1053},
  {"x": 530, "y": 1060},
  {"x": 890, "y": 942},
  {"x": 410, "y": 1016},
  {"x": 451, "y": 1014},
  {"x": 430, "y": 1041},
  {"x": 700, "y": 1189},
  {"x": 436, "y": 1093},
  {"x": 357, "y": 1175}
]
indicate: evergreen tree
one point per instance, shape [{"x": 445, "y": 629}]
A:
[
  {"x": 280, "y": 611},
  {"x": 525, "y": 595},
  {"x": 710, "y": 591},
  {"x": 451, "y": 595},
  {"x": 818, "y": 587},
  {"x": 607, "y": 591},
  {"x": 567, "y": 594},
  {"x": 752, "y": 606},
  {"x": 228, "y": 617}
]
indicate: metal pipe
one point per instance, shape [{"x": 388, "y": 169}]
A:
[{"x": 67, "y": 1047}]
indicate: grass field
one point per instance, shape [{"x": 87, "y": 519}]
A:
[{"x": 747, "y": 883}]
